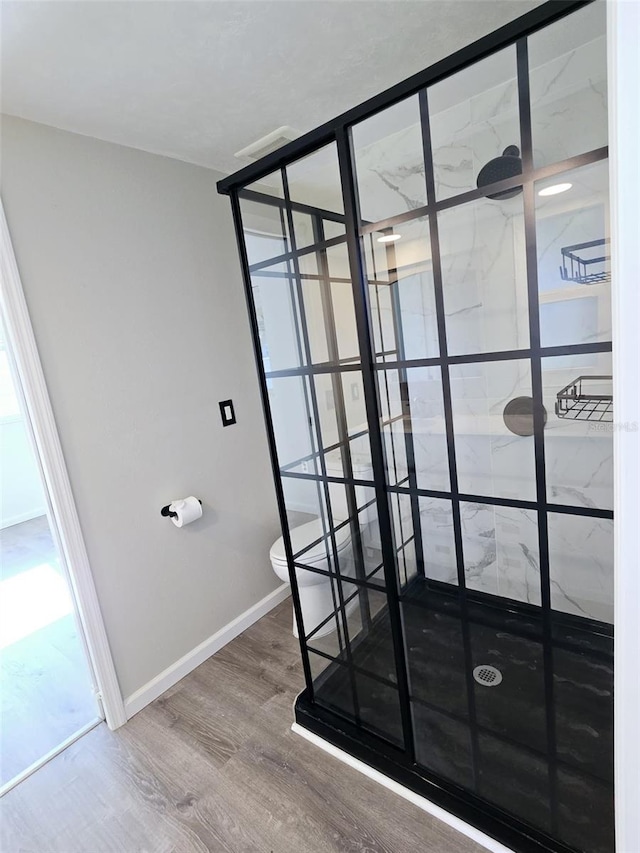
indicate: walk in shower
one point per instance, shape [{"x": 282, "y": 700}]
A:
[{"x": 428, "y": 279}]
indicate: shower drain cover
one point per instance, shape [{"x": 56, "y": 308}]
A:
[{"x": 487, "y": 675}]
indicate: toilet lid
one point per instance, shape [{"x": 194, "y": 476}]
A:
[{"x": 302, "y": 536}]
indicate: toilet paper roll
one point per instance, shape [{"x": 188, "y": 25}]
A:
[{"x": 187, "y": 510}]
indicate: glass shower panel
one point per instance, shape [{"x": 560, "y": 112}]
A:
[
  {"x": 393, "y": 427},
  {"x": 313, "y": 290},
  {"x": 379, "y": 706},
  {"x": 296, "y": 439},
  {"x": 335, "y": 265},
  {"x": 413, "y": 427},
  {"x": 334, "y": 694},
  {"x": 484, "y": 277},
  {"x": 263, "y": 219},
  {"x": 492, "y": 459},
  {"x": 389, "y": 162},
  {"x": 500, "y": 546},
  {"x": 401, "y": 291},
  {"x": 574, "y": 266},
  {"x": 568, "y": 83},
  {"x": 581, "y": 565},
  {"x": 474, "y": 117},
  {"x": 402, "y": 506},
  {"x": 314, "y": 180},
  {"x": 343, "y": 421},
  {"x": 382, "y": 313},
  {"x": 275, "y": 299},
  {"x": 578, "y": 436},
  {"x": 437, "y": 665},
  {"x": 438, "y": 542},
  {"x": 443, "y": 743},
  {"x": 428, "y": 428}
]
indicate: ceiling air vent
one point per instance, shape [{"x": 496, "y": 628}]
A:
[{"x": 271, "y": 142}]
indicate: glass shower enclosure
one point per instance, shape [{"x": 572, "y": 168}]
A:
[{"x": 428, "y": 282}]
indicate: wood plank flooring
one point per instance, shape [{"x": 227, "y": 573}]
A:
[{"x": 213, "y": 766}]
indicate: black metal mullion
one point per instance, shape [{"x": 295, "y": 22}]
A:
[
  {"x": 537, "y": 392},
  {"x": 271, "y": 440},
  {"x": 341, "y": 415},
  {"x": 396, "y": 313},
  {"x": 563, "y": 509},
  {"x": 300, "y": 253},
  {"x": 449, "y": 427},
  {"x": 468, "y": 358},
  {"x": 302, "y": 361},
  {"x": 275, "y": 201},
  {"x": 306, "y": 382},
  {"x": 385, "y": 377},
  {"x": 544, "y": 172},
  {"x": 540, "y": 174},
  {"x": 367, "y": 350},
  {"x": 341, "y": 613}
]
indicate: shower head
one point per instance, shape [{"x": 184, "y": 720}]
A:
[{"x": 508, "y": 165}]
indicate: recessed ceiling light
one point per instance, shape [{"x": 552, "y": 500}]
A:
[
  {"x": 555, "y": 189},
  {"x": 389, "y": 238}
]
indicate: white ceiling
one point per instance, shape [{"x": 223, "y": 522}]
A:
[{"x": 201, "y": 80}]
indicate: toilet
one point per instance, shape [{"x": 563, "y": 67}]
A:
[{"x": 316, "y": 597}]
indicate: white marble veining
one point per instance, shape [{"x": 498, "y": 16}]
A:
[
  {"x": 518, "y": 557},
  {"x": 581, "y": 565},
  {"x": 484, "y": 276},
  {"x": 491, "y": 460},
  {"x": 437, "y": 540},
  {"x": 427, "y": 423},
  {"x": 568, "y": 86},
  {"x": 418, "y": 313},
  {"x": 389, "y": 162},
  {"x": 474, "y": 117},
  {"x": 500, "y": 547}
]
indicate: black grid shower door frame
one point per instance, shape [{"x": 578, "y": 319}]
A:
[{"x": 401, "y": 763}]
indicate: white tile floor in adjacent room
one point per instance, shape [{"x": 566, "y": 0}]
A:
[{"x": 45, "y": 688}]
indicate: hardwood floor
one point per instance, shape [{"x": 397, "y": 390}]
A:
[{"x": 213, "y": 766}]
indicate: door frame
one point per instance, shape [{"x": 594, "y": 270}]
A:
[
  {"x": 64, "y": 516},
  {"x": 623, "y": 27}
]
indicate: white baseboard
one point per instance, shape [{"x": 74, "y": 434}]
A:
[
  {"x": 170, "y": 676},
  {"x": 422, "y": 803}
]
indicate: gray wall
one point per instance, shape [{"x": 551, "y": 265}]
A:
[{"x": 129, "y": 267}]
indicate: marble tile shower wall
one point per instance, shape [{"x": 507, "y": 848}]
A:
[
  {"x": 485, "y": 294},
  {"x": 568, "y": 92},
  {"x": 569, "y": 116},
  {"x": 500, "y": 544}
]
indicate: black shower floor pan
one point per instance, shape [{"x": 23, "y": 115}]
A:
[{"x": 529, "y": 761}]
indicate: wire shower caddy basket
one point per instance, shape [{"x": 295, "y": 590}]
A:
[
  {"x": 580, "y": 266},
  {"x": 587, "y": 398}
]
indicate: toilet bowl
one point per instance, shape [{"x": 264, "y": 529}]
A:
[
  {"x": 316, "y": 597},
  {"x": 314, "y": 589}
]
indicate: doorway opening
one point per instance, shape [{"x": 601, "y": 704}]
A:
[{"x": 48, "y": 696}]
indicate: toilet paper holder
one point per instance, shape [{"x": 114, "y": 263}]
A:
[{"x": 166, "y": 512}]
